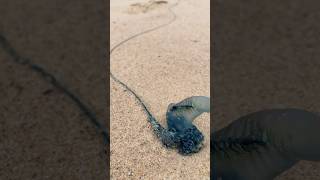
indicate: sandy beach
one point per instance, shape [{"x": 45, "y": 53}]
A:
[
  {"x": 43, "y": 134},
  {"x": 164, "y": 66},
  {"x": 266, "y": 56}
]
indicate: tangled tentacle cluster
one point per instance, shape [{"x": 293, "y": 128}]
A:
[
  {"x": 190, "y": 141},
  {"x": 237, "y": 145}
]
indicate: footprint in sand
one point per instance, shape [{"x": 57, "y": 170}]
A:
[{"x": 138, "y": 8}]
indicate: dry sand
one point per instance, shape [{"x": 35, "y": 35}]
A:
[{"x": 164, "y": 66}]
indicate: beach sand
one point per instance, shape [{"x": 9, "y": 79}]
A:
[
  {"x": 163, "y": 66},
  {"x": 43, "y": 134},
  {"x": 267, "y": 56}
]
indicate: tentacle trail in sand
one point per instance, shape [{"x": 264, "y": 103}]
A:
[
  {"x": 50, "y": 78},
  {"x": 156, "y": 126}
]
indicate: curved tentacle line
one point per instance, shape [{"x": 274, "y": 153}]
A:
[
  {"x": 181, "y": 133},
  {"x": 187, "y": 138}
]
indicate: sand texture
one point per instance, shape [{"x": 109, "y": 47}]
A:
[
  {"x": 164, "y": 66},
  {"x": 43, "y": 135},
  {"x": 267, "y": 55}
]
